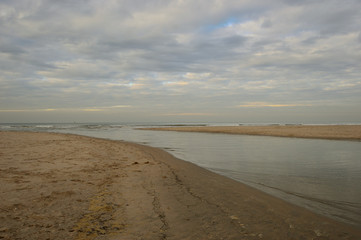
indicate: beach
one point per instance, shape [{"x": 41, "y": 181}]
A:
[
  {"x": 336, "y": 132},
  {"x": 63, "y": 186}
]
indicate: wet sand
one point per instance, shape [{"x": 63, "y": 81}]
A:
[
  {"x": 337, "y": 132},
  {"x": 57, "y": 186}
]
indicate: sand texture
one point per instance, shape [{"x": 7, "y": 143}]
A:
[
  {"x": 56, "y": 186},
  {"x": 337, "y": 132}
]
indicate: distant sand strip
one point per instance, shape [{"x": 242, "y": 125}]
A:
[
  {"x": 57, "y": 186},
  {"x": 337, "y": 132}
]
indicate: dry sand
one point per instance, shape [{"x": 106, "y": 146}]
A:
[
  {"x": 339, "y": 132},
  {"x": 56, "y": 186}
]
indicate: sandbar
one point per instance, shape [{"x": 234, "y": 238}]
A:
[
  {"x": 337, "y": 132},
  {"x": 63, "y": 186}
]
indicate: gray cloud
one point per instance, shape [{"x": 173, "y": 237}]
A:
[{"x": 180, "y": 56}]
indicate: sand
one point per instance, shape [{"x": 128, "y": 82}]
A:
[
  {"x": 57, "y": 186},
  {"x": 337, "y": 132}
]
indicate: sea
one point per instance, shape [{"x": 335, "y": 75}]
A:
[{"x": 323, "y": 176}]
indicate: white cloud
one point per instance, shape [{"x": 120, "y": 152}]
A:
[
  {"x": 188, "y": 114},
  {"x": 86, "y": 109},
  {"x": 186, "y": 56},
  {"x": 268, "y": 104}
]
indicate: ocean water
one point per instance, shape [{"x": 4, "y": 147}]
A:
[{"x": 321, "y": 175}]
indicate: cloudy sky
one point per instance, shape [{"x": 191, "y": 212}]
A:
[{"x": 181, "y": 60}]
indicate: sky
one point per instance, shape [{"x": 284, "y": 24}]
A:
[{"x": 243, "y": 61}]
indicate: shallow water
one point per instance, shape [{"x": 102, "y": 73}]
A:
[{"x": 322, "y": 175}]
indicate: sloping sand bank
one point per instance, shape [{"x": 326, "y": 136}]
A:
[
  {"x": 339, "y": 132},
  {"x": 56, "y": 186}
]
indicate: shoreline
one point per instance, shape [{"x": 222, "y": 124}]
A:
[
  {"x": 330, "y": 132},
  {"x": 63, "y": 186}
]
